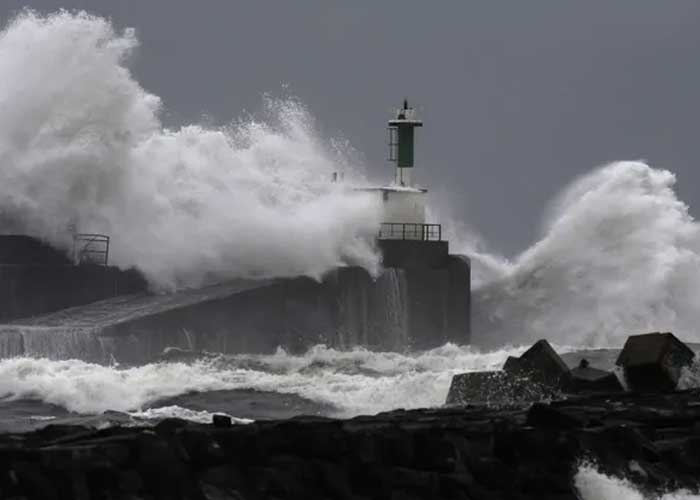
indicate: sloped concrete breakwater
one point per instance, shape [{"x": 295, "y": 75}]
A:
[
  {"x": 36, "y": 279},
  {"x": 512, "y": 452},
  {"x": 399, "y": 310}
]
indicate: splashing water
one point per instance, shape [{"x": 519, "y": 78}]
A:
[
  {"x": 354, "y": 382},
  {"x": 620, "y": 255},
  {"x": 81, "y": 143},
  {"x": 201, "y": 416},
  {"x": 594, "y": 485}
]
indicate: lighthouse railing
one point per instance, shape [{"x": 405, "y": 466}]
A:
[
  {"x": 90, "y": 248},
  {"x": 410, "y": 231}
]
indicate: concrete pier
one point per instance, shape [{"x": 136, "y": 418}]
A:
[
  {"x": 37, "y": 279},
  {"x": 400, "y": 310}
]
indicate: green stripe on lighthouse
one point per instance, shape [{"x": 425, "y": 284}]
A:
[
  {"x": 405, "y": 147},
  {"x": 402, "y": 136}
]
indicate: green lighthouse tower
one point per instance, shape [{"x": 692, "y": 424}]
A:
[{"x": 401, "y": 143}]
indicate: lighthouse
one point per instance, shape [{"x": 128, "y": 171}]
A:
[
  {"x": 434, "y": 284},
  {"x": 406, "y": 237}
]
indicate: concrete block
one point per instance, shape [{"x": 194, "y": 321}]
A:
[
  {"x": 652, "y": 362},
  {"x": 512, "y": 365},
  {"x": 585, "y": 378},
  {"x": 541, "y": 364},
  {"x": 494, "y": 387}
]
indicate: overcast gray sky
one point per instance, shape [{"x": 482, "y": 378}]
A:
[{"x": 518, "y": 97}]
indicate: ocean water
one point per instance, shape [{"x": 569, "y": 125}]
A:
[{"x": 322, "y": 381}]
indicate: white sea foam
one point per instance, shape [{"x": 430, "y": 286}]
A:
[
  {"x": 594, "y": 485},
  {"x": 354, "y": 382},
  {"x": 42, "y": 418},
  {"x": 690, "y": 375},
  {"x": 174, "y": 411},
  {"x": 81, "y": 143},
  {"x": 620, "y": 255}
]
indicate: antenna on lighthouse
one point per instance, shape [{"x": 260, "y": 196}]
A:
[{"x": 401, "y": 142}]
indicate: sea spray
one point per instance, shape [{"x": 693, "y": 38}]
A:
[
  {"x": 620, "y": 255},
  {"x": 595, "y": 485},
  {"x": 81, "y": 144}
]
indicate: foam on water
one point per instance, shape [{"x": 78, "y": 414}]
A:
[
  {"x": 594, "y": 485},
  {"x": 354, "y": 382},
  {"x": 174, "y": 411},
  {"x": 81, "y": 143}
]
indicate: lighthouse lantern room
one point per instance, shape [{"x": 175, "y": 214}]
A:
[{"x": 401, "y": 143}]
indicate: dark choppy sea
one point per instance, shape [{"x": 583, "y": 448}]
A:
[{"x": 323, "y": 381}]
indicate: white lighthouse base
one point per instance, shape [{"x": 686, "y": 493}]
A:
[{"x": 403, "y": 176}]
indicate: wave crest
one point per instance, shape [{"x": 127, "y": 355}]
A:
[{"x": 620, "y": 255}]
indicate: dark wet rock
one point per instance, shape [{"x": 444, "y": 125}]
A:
[
  {"x": 221, "y": 421},
  {"x": 514, "y": 452},
  {"x": 585, "y": 378},
  {"x": 654, "y": 361},
  {"x": 544, "y": 415},
  {"x": 170, "y": 425}
]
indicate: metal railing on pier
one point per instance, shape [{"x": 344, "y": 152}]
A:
[
  {"x": 91, "y": 248},
  {"x": 410, "y": 231}
]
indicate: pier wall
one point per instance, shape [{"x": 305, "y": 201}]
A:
[
  {"x": 399, "y": 310},
  {"x": 30, "y": 290},
  {"x": 54, "y": 309},
  {"x": 38, "y": 279},
  {"x": 402, "y": 309}
]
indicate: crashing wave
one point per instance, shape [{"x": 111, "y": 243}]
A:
[{"x": 620, "y": 255}]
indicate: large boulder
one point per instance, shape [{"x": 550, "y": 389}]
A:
[{"x": 653, "y": 362}]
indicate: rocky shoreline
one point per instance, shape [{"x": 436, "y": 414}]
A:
[{"x": 509, "y": 452}]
